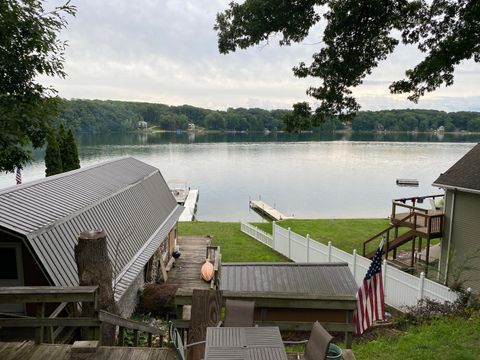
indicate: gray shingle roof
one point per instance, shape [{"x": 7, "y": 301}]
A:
[
  {"x": 126, "y": 198},
  {"x": 464, "y": 174},
  {"x": 332, "y": 279}
]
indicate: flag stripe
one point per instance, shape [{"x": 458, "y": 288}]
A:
[{"x": 370, "y": 296}]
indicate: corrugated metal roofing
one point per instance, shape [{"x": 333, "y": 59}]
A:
[
  {"x": 126, "y": 198},
  {"x": 332, "y": 279},
  {"x": 464, "y": 174}
]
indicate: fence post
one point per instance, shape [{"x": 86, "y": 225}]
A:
[
  {"x": 273, "y": 234},
  {"x": 308, "y": 248},
  {"x": 422, "y": 283},
  {"x": 354, "y": 264},
  {"x": 289, "y": 240},
  {"x": 329, "y": 251},
  {"x": 384, "y": 278}
]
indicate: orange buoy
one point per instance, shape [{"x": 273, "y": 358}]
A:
[{"x": 207, "y": 271}]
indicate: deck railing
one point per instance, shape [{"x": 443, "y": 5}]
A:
[
  {"x": 401, "y": 289},
  {"x": 48, "y": 327}
]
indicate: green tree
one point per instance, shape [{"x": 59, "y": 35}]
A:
[
  {"x": 53, "y": 159},
  {"x": 29, "y": 47},
  {"x": 299, "y": 119},
  {"x": 359, "y": 34},
  {"x": 70, "y": 159}
]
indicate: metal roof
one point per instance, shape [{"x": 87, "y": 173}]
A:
[
  {"x": 329, "y": 279},
  {"x": 126, "y": 198},
  {"x": 464, "y": 174}
]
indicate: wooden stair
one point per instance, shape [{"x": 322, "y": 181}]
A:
[{"x": 395, "y": 243}]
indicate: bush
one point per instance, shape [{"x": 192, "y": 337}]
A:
[{"x": 157, "y": 299}]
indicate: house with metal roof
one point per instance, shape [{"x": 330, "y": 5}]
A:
[
  {"x": 40, "y": 222},
  {"x": 460, "y": 246}
]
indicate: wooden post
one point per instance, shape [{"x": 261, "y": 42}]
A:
[
  {"x": 206, "y": 307},
  {"x": 427, "y": 255},
  {"x": 39, "y": 332},
  {"x": 413, "y": 253},
  {"x": 121, "y": 336},
  {"x": 135, "y": 338},
  {"x": 94, "y": 268}
]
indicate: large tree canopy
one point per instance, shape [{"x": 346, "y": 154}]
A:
[
  {"x": 359, "y": 34},
  {"x": 29, "y": 47}
]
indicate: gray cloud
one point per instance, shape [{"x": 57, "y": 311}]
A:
[{"x": 166, "y": 51}]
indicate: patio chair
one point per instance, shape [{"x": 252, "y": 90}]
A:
[
  {"x": 316, "y": 347},
  {"x": 239, "y": 313}
]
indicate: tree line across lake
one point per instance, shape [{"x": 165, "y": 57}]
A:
[{"x": 113, "y": 116}]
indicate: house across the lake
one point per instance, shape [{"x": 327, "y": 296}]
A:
[
  {"x": 460, "y": 256},
  {"x": 40, "y": 222}
]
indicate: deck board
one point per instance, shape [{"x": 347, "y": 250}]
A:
[
  {"x": 27, "y": 350},
  {"x": 186, "y": 271}
]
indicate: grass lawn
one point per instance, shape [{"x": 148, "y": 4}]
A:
[
  {"x": 235, "y": 246},
  {"x": 345, "y": 234},
  {"x": 444, "y": 339}
]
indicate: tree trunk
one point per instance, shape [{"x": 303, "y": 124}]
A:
[{"x": 94, "y": 268}]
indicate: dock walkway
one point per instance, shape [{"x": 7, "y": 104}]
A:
[
  {"x": 190, "y": 206},
  {"x": 27, "y": 350},
  {"x": 267, "y": 211},
  {"x": 186, "y": 271}
]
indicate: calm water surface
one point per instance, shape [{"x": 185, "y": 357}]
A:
[{"x": 307, "y": 175}]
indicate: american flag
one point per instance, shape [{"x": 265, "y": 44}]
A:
[
  {"x": 18, "y": 176},
  {"x": 370, "y": 302}
]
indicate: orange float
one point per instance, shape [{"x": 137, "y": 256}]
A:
[{"x": 207, "y": 271}]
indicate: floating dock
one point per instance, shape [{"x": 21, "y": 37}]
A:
[
  {"x": 407, "y": 182},
  {"x": 267, "y": 211},
  {"x": 190, "y": 206}
]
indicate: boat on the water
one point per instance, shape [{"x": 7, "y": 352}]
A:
[
  {"x": 186, "y": 197},
  {"x": 179, "y": 190}
]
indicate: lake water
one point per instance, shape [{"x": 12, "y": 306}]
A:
[{"x": 306, "y": 175}]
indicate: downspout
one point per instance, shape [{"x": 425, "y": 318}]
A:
[{"x": 450, "y": 231}]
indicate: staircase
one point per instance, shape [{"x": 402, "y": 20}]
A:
[
  {"x": 421, "y": 224},
  {"x": 395, "y": 243}
]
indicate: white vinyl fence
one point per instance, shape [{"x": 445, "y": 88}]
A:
[{"x": 401, "y": 289}]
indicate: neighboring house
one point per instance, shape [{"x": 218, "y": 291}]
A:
[
  {"x": 460, "y": 256},
  {"x": 142, "y": 124},
  {"x": 40, "y": 222},
  {"x": 191, "y": 127}
]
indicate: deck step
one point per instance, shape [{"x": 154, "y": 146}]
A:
[{"x": 395, "y": 243}]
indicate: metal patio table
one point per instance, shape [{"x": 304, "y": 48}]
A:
[{"x": 244, "y": 343}]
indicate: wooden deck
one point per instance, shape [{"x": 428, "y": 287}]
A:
[
  {"x": 186, "y": 271},
  {"x": 27, "y": 350},
  {"x": 435, "y": 217}
]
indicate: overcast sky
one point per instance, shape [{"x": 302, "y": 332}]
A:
[{"x": 165, "y": 51}]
